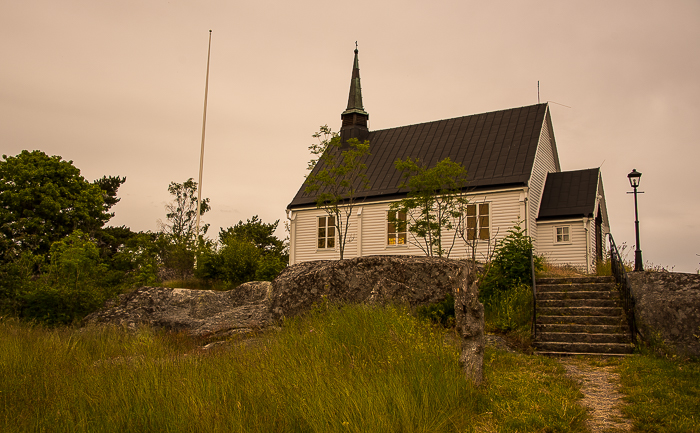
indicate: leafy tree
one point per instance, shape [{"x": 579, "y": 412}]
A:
[
  {"x": 247, "y": 251},
  {"x": 179, "y": 243},
  {"x": 43, "y": 199},
  {"x": 262, "y": 235},
  {"x": 235, "y": 262},
  {"x": 73, "y": 285},
  {"x": 133, "y": 258},
  {"x": 182, "y": 211},
  {"x": 434, "y": 202},
  {"x": 339, "y": 179},
  {"x": 109, "y": 186}
]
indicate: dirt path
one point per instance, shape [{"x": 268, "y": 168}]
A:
[{"x": 599, "y": 386}]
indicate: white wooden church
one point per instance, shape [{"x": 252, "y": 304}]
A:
[{"x": 514, "y": 178}]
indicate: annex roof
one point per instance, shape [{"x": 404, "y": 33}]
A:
[
  {"x": 569, "y": 194},
  {"x": 496, "y": 148}
]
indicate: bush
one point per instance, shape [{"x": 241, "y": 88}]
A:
[
  {"x": 15, "y": 279},
  {"x": 234, "y": 263},
  {"x": 247, "y": 252},
  {"x": 506, "y": 289},
  {"x": 442, "y": 313},
  {"x": 72, "y": 287},
  {"x": 510, "y": 266},
  {"x": 509, "y": 310}
]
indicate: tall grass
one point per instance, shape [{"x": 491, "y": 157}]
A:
[
  {"x": 354, "y": 368},
  {"x": 663, "y": 395}
]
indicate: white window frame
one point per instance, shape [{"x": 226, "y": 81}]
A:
[
  {"x": 478, "y": 216},
  {"x": 386, "y": 233},
  {"x": 326, "y": 237},
  {"x": 556, "y": 234}
]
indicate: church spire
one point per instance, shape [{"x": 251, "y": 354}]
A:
[{"x": 354, "y": 117}]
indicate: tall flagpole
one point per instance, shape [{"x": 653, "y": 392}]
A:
[{"x": 201, "y": 155}]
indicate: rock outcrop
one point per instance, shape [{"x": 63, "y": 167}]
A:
[
  {"x": 373, "y": 280},
  {"x": 668, "y": 306},
  {"x": 256, "y": 305},
  {"x": 199, "y": 313}
]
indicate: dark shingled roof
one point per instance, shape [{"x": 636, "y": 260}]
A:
[
  {"x": 569, "y": 194},
  {"x": 496, "y": 148}
]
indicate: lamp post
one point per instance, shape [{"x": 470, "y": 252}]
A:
[{"x": 634, "y": 178}]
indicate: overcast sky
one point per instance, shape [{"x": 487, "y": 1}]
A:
[{"x": 118, "y": 88}]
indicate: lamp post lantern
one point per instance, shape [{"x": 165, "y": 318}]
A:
[{"x": 634, "y": 178}]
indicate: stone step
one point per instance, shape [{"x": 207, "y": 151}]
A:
[
  {"x": 602, "y": 348},
  {"x": 578, "y": 295},
  {"x": 575, "y": 280},
  {"x": 582, "y": 337},
  {"x": 579, "y": 311},
  {"x": 552, "y": 303},
  {"x": 579, "y": 328},
  {"x": 607, "y": 287},
  {"x": 562, "y": 354},
  {"x": 582, "y": 320}
]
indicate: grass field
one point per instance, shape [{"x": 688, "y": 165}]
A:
[
  {"x": 355, "y": 368},
  {"x": 339, "y": 369},
  {"x": 663, "y": 395}
]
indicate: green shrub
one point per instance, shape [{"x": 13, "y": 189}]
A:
[
  {"x": 269, "y": 267},
  {"x": 442, "y": 313},
  {"x": 234, "y": 263},
  {"x": 510, "y": 266},
  {"x": 506, "y": 290},
  {"x": 71, "y": 288},
  {"x": 509, "y": 310},
  {"x": 247, "y": 252},
  {"x": 15, "y": 279}
]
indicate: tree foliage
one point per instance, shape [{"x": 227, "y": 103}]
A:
[
  {"x": 182, "y": 211},
  {"x": 179, "y": 243},
  {"x": 434, "y": 202},
  {"x": 109, "y": 186},
  {"x": 72, "y": 285},
  {"x": 510, "y": 266},
  {"x": 338, "y": 177},
  {"x": 262, "y": 235},
  {"x": 43, "y": 199},
  {"x": 246, "y": 252}
]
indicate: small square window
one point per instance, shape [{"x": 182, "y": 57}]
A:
[{"x": 563, "y": 234}]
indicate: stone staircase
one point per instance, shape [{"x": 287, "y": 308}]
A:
[{"x": 580, "y": 316}]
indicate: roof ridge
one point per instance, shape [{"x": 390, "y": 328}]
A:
[{"x": 460, "y": 117}]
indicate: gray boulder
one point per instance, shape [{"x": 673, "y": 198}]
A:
[
  {"x": 372, "y": 280},
  {"x": 668, "y": 306},
  {"x": 199, "y": 313},
  {"x": 256, "y": 305}
]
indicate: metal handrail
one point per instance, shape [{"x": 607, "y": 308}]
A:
[
  {"x": 623, "y": 284},
  {"x": 534, "y": 296}
]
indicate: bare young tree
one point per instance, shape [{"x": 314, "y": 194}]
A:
[
  {"x": 338, "y": 176},
  {"x": 434, "y": 203}
]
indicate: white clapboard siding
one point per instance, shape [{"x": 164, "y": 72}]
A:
[
  {"x": 590, "y": 224},
  {"x": 546, "y": 161},
  {"x": 305, "y": 240},
  {"x": 572, "y": 253},
  {"x": 369, "y": 230}
]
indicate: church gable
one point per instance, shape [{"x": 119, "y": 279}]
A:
[
  {"x": 514, "y": 178},
  {"x": 498, "y": 150}
]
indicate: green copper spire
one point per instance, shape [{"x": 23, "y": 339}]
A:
[{"x": 355, "y": 98}]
